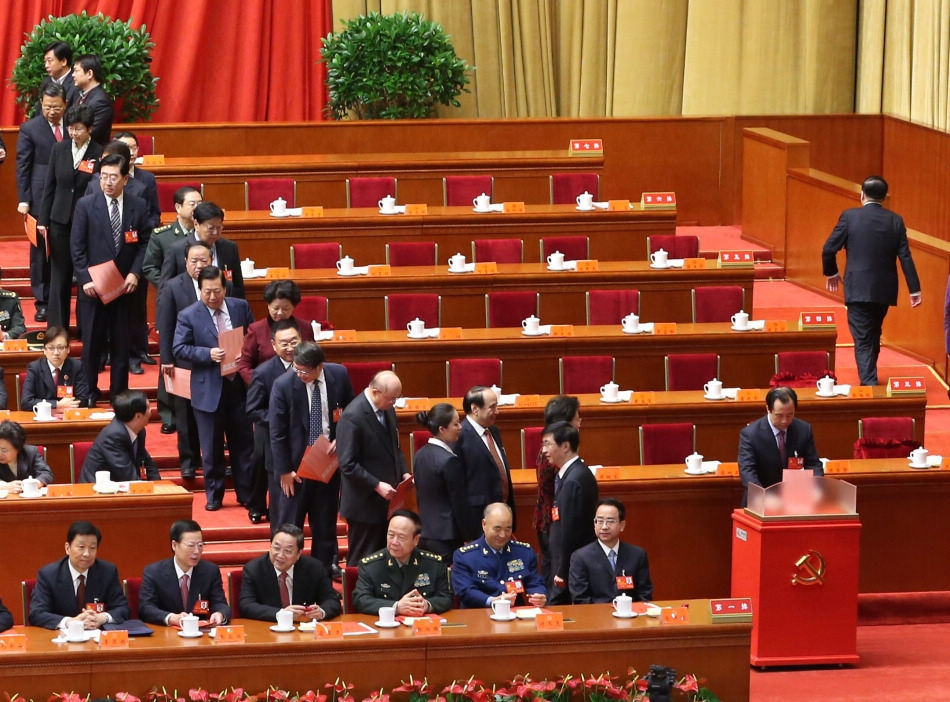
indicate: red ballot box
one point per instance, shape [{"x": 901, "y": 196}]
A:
[{"x": 801, "y": 572}]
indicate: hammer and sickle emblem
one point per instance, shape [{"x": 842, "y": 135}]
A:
[{"x": 811, "y": 569}]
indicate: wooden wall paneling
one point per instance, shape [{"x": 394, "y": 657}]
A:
[{"x": 915, "y": 166}]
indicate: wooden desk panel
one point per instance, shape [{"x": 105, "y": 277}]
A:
[
  {"x": 593, "y": 641},
  {"x": 609, "y": 434},
  {"x": 357, "y": 302},
  {"x": 530, "y": 365},
  {"x": 685, "y": 524},
  {"x": 614, "y": 236},
  {"x": 134, "y": 532}
]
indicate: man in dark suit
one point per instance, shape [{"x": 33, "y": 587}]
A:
[
  {"x": 68, "y": 388},
  {"x": 180, "y": 293},
  {"x": 120, "y": 446},
  {"x": 768, "y": 445},
  {"x": 108, "y": 228},
  {"x": 608, "y": 567},
  {"x": 88, "y": 76},
  {"x": 497, "y": 567},
  {"x": 209, "y": 223},
  {"x": 487, "y": 473},
  {"x": 19, "y": 460},
  {"x": 875, "y": 239},
  {"x": 183, "y": 584},
  {"x": 304, "y": 405},
  {"x": 33, "y": 147},
  {"x": 72, "y": 163},
  {"x": 218, "y": 400},
  {"x": 283, "y": 578},
  {"x": 78, "y": 586},
  {"x": 285, "y": 335},
  {"x": 371, "y": 462},
  {"x": 58, "y": 64},
  {"x": 575, "y": 501}
]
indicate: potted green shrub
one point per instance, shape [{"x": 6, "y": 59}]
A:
[
  {"x": 125, "y": 54},
  {"x": 396, "y": 66}
]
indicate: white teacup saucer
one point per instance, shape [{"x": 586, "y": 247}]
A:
[
  {"x": 196, "y": 635},
  {"x": 735, "y": 328},
  {"x": 719, "y": 397},
  {"x": 689, "y": 471},
  {"x": 585, "y": 209},
  {"x": 281, "y": 630},
  {"x": 613, "y": 401},
  {"x": 918, "y": 465},
  {"x": 392, "y": 212},
  {"x": 819, "y": 393},
  {"x": 511, "y": 617},
  {"x": 487, "y": 210},
  {"x": 525, "y": 332},
  {"x": 391, "y": 625},
  {"x": 660, "y": 268},
  {"x": 284, "y": 214},
  {"x": 423, "y": 335},
  {"x": 351, "y": 273},
  {"x": 558, "y": 270},
  {"x": 632, "y": 615}
]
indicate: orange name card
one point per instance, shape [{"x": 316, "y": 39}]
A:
[
  {"x": 728, "y": 469},
  {"x": 380, "y": 271},
  {"x": 142, "y": 488},
  {"x": 585, "y": 147},
  {"x": 611, "y": 473},
  {"x": 618, "y": 205},
  {"x": 426, "y": 626},
  {"x": 839, "y": 466},
  {"x": 114, "y": 639},
  {"x": 59, "y": 490},
  {"x": 588, "y": 265},
  {"x": 514, "y": 207},
  {"x": 450, "y": 332},
  {"x": 562, "y": 330},
  {"x": 417, "y": 404},
  {"x": 550, "y": 621},
  {"x": 77, "y": 413},
  {"x": 486, "y": 267},
  {"x": 776, "y": 325},
  {"x": 750, "y": 395},
  {"x": 316, "y": 211},
  {"x": 675, "y": 615},
  {"x": 861, "y": 392},
  {"x": 664, "y": 328},
  {"x": 816, "y": 319},
  {"x": 153, "y": 160},
  {"x": 328, "y": 630},
  {"x": 694, "y": 264},
  {"x": 658, "y": 199},
  {"x": 647, "y": 397},
  {"x": 233, "y": 633},
  {"x": 945, "y": 463},
  {"x": 906, "y": 385},
  {"x": 528, "y": 401},
  {"x": 13, "y": 642},
  {"x": 736, "y": 258},
  {"x": 15, "y": 345},
  {"x": 344, "y": 335},
  {"x": 277, "y": 273},
  {"x": 417, "y": 209}
]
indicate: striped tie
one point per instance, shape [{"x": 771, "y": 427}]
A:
[
  {"x": 316, "y": 414},
  {"x": 116, "y": 224},
  {"x": 612, "y": 557}
]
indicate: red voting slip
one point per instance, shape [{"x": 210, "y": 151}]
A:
[
  {"x": 232, "y": 341},
  {"x": 109, "y": 283},
  {"x": 405, "y": 492},
  {"x": 29, "y": 225},
  {"x": 317, "y": 462},
  {"x": 179, "y": 382}
]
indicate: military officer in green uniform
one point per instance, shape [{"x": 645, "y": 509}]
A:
[
  {"x": 402, "y": 575},
  {"x": 12, "y": 325},
  {"x": 186, "y": 199}
]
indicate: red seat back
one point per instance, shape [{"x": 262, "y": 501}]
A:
[
  {"x": 498, "y": 250},
  {"x": 716, "y": 303},
  {"x": 565, "y": 187},
  {"x": 509, "y": 308},
  {"x": 464, "y": 373},
  {"x": 412, "y": 253},
  {"x": 675, "y": 245},
  {"x": 690, "y": 371},
  {"x": 666, "y": 443},
  {"x": 261, "y": 192},
  {"x": 585, "y": 374},
  {"x": 611, "y": 306},
  {"x": 460, "y": 190},
  {"x": 367, "y": 192},
  {"x": 321, "y": 254},
  {"x": 402, "y": 308},
  {"x": 574, "y": 248},
  {"x": 361, "y": 372}
]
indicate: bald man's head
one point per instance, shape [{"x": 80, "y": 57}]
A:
[
  {"x": 496, "y": 524},
  {"x": 385, "y": 388}
]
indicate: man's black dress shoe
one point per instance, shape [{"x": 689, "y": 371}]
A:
[
  {"x": 135, "y": 367},
  {"x": 212, "y": 506},
  {"x": 169, "y": 429},
  {"x": 147, "y": 360},
  {"x": 40, "y": 315},
  {"x": 188, "y": 473},
  {"x": 255, "y": 516}
]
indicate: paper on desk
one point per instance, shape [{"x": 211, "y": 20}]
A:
[
  {"x": 844, "y": 389},
  {"x": 318, "y": 463},
  {"x": 642, "y": 328},
  {"x": 506, "y": 400},
  {"x": 405, "y": 496},
  {"x": 625, "y": 395},
  {"x": 232, "y": 341},
  {"x": 179, "y": 382},
  {"x": 109, "y": 283}
]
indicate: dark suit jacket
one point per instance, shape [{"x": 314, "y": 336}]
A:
[
  {"x": 195, "y": 336},
  {"x": 3, "y": 392},
  {"x": 29, "y": 464},
  {"x": 289, "y": 414},
  {"x": 69, "y": 89},
  {"x": 114, "y": 451},
  {"x": 176, "y": 295},
  {"x": 440, "y": 489},
  {"x": 102, "y": 111},
  {"x": 369, "y": 453},
  {"x": 160, "y": 594},
  {"x": 143, "y": 186},
  {"x": 260, "y": 595},
  {"x": 64, "y": 184},
  {"x": 39, "y": 383},
  {"x": 875, "y": 239},
  {"x": 6, "y": 619},
  {"x": 593, "y": 580},
  {"x": 759, "y": 459},
  {"x": 91, "y": 237},
  {"x": 54, "y": 596},
  {"x": 576, "y": 503},
  {"x": 482, "y": 481},
  {"x": 33, "y": 147},
  {"x": 228, "y": 259},
  {"x": 258, "y": 391},
  {"x": 258, "y": 348}
]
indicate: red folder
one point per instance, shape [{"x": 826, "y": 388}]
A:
[
  {"x": 232, "y": 341},
  {"x": 110, "y": 284},
  {"x": 317, "y": 462},
  {"x": 179, "y": 382}
]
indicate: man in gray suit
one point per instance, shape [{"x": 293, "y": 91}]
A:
[{"x": 875, "y": 239}]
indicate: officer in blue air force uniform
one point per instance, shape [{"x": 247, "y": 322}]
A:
[{"x": 496, "y": 567}]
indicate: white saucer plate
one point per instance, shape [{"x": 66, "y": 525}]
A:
[
  {"x": 558, "y": 270},
  {"x": 525, "y": 332},
  {"x": 280, "y": 216},
  {"x": 615, "y": 401},
  {"x": 632, "y": 615},
  {"x": 347, "y": 275},
  {"x": 918, "y": 465},
  {"x": 478, "y": 211},
  {"x": 694, "y": 472},
  {"x": 735, "y": 328},
  {"x": 281, "y": 630},
  {"x": 394, "y": 212},
  {"x": 710, "y": 397},
  {"x": 585, "y": 209},
  {"x": 196, "y": 635},
  {"x": 660, "y": 268},
  {"x": 824, "y": 394},
  {"x": 509, "y": 618},
  {"x": 394, "y": 625}
]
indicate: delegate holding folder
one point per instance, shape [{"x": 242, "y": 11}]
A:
[{"x": 318, "y": 463}]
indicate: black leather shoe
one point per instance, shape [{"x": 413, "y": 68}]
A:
[
  {"x": 188, "y": 473},
  {"x": 212, "y": 506},
  {"x": 147, "y": 360},
  {"x": 169, "y": 429},
  {"x": 135, "y": 367},
  {"x": 335, "y": 572},
  {"x": 255, "y": 517},
  {"x": 40, "y": 315}
]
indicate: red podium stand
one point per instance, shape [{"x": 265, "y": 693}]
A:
[{"x": 801, "y": 571}]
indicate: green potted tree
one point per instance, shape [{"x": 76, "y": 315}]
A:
[
  {"x": 125, "y": 53},
  {"x": 396, "y": 66}
]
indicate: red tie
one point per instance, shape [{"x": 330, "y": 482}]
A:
[
  {"x": 781, "y": 449},
  {"x": 58, "y": 133},
  {"x": 55, "y": 377},
  {"x": 81, "y": 592},
  {"x": 284, "y": 592},
  {"x": 184, "y": 592}
]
